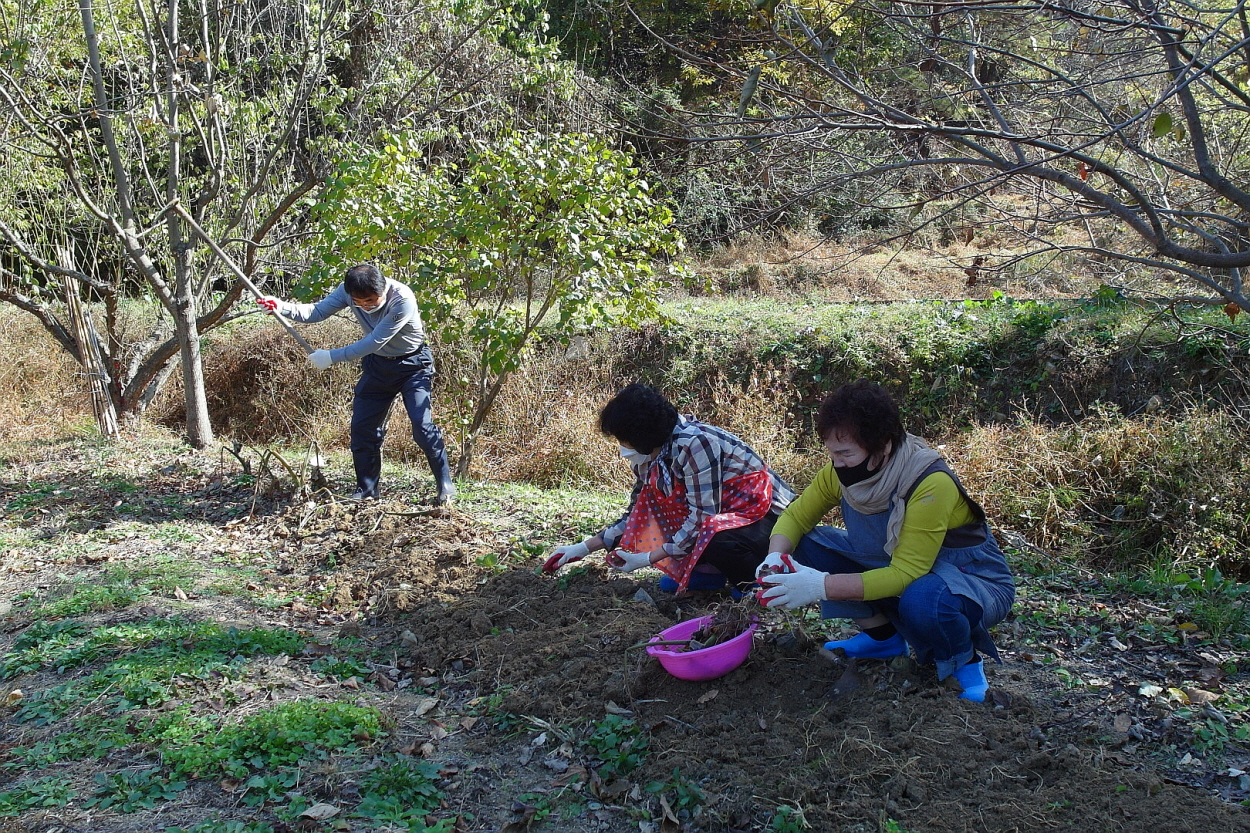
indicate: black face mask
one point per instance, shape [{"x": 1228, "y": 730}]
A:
[{"x": 850, "y": 475}]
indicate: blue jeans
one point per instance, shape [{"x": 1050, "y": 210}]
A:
[
  {"x": 937, "y": 623},
  {"x": 381, "y": 381}
]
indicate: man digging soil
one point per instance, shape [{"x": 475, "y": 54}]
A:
[{"x": 395, "y": 360}]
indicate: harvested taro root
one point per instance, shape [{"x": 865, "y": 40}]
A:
[{"x": 726, "y": 623}]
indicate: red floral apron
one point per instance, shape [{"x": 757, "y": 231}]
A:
[{"x": 656, "y": 517}]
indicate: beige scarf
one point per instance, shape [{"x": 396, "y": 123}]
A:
[{"x": 882, "y": 490}]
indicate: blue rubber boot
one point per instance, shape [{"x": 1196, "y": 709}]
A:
[
  {"x": 698, "y": 581},
  {"x": 972, "y": 678},
  {"x": 863, "y": 646}
]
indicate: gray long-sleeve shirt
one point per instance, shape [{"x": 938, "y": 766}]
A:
[{"x": 393, "y": 329}]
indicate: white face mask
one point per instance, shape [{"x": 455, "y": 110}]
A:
[{"x": 634, "y": 458}]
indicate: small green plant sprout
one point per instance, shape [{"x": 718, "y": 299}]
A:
[
  {"x": 130, "y": 791},
  {"x": 891, "y": 826},
  {"x": 399, "y": 792},
  {"x": 679, "y": 794},
  {"x": 618, "y": 744},
  {"x": 787, "y": 819}
]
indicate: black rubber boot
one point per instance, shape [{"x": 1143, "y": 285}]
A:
[{"x": 442, "y": 477}]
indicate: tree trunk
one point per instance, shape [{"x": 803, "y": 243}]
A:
[
  {"x": 186, "y": 312},
  {"x": 199, "y": 428}
]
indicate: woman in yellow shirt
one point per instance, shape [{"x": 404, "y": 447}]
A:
[{"x": 916, "y": 563}]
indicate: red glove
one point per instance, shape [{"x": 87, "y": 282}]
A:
[{"x": 270, "y": 303}]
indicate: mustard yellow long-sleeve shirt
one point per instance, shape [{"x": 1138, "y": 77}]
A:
[{"x": 934, "y": 507}]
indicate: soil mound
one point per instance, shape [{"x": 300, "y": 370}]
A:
[{"x": 849, "y": 744}]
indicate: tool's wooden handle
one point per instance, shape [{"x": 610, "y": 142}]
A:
[{"x": 177, "y": 208}]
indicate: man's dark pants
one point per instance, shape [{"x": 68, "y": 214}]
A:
[{"x": 381, "y": 380}]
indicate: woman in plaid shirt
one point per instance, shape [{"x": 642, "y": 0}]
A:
[{"x": 703, "y": 503}]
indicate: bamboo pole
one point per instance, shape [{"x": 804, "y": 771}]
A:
[{"x": 89, "y": 351}]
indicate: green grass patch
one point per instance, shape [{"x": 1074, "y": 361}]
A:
[
  {"x": 282, "y": 736},
  {"x": 86, "y": 597},
  {"x": 40, "y": 794},
  {"x": 162, "y": 646},
  {"x": 127, "y": 791}
]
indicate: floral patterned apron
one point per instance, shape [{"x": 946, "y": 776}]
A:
[{"x": 656, "y": 517}]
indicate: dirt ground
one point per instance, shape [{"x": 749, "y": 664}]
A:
[
  {"x": 852, "y": 744},
  {"x": 520, "y": 663}
]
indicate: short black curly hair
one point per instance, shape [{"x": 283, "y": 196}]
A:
[
  {"x": 639, "y": 416},
  {"x": 864, "y": 413}
]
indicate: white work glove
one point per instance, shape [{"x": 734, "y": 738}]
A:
[
  {"x": 779, "y": 560},
  {"x": 271, "y": 304},
  {"x": 320, "y": 359},
  {"x": 566, "y": 555},
  {"x": 625, "y": 561},
  {"x": 786, "y": 591}
]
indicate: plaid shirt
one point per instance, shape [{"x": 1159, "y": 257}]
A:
[{"x": 704, "y": 457}]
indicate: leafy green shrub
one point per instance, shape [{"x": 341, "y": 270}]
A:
[
  {"x": 162, "y": 654},
  {"x": 92, "y": 737},
  {"x": 270, "y": 786},
  {"x": 47, "y": 706},
  {"x": 339, "y": 668}
]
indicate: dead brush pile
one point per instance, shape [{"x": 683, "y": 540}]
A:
[{"x": 261, "y": 388}]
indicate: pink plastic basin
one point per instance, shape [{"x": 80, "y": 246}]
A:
[{"x": 706, "y": 663}]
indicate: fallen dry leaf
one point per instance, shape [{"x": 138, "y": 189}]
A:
[
  {"x": 1200, "y": 696},
  {"x": 522, "y": 817},
  {"x": 425, "y": 705},
  {"x": 709, "y": 696},
  {"x": 320, "y": 812}
]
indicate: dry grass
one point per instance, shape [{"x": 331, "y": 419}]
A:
[
  {"x": 899, "y": 270},
  {"x": 1119, "y": 492},
  {"x": 40, "y": 384}
]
